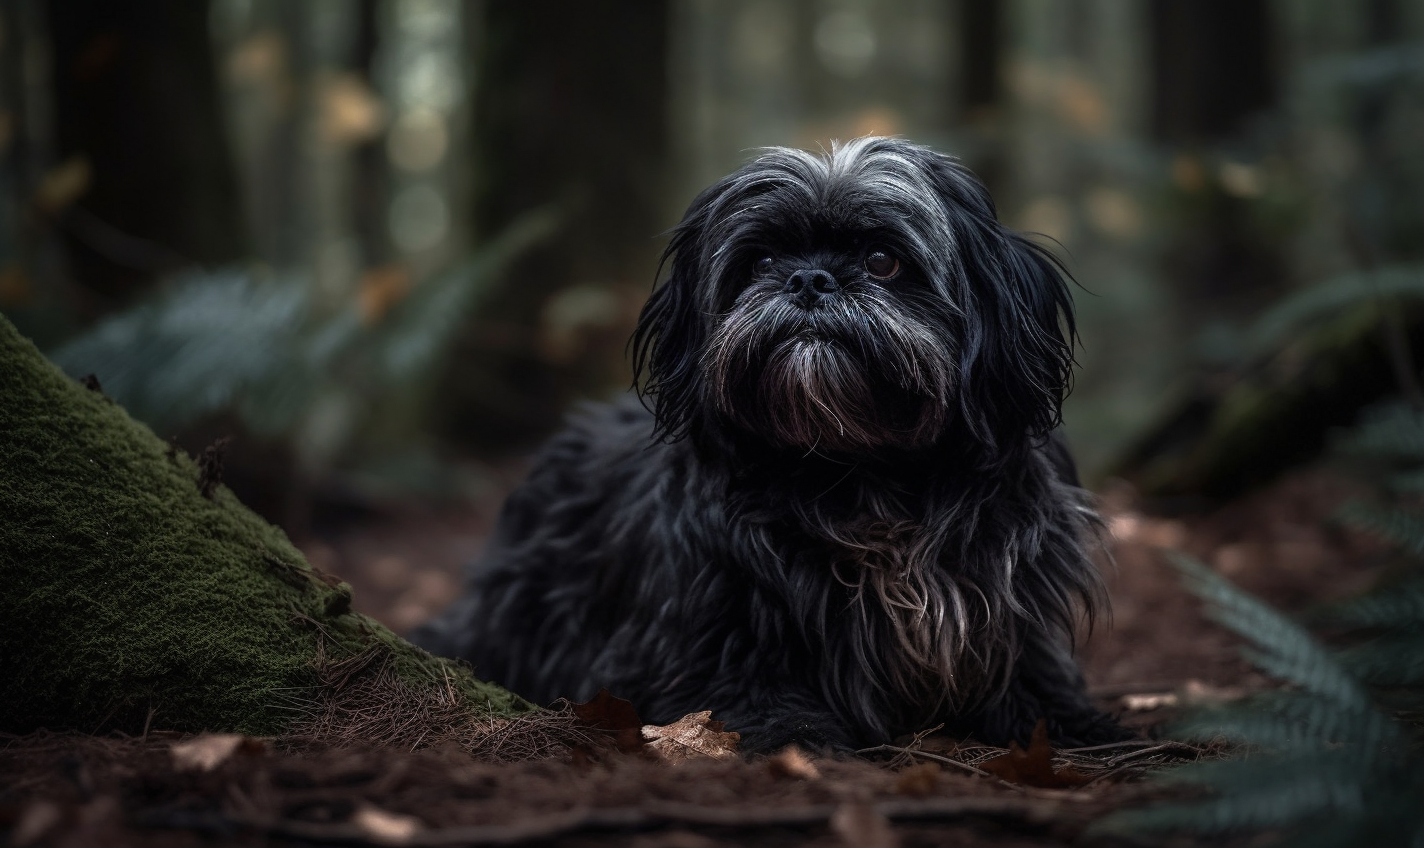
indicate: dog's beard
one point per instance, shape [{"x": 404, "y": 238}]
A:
[{"x": 857, "y": 373}]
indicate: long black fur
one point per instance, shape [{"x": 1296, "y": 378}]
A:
[{"x": 845, "y": 517}]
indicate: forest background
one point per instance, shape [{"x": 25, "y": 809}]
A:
[
  {"x": 366, "y": 237},
  {"x": 388, "y": 245},
  {"x": 374, "y": 251}
]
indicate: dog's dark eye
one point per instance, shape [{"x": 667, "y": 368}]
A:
[
  {"x": 762, "y": 267},
  {"x": 882, "y": 265}
]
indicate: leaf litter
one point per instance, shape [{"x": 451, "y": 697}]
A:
[{"x": 406, "y": 773}]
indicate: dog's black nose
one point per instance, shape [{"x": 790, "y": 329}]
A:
[{"x": 810, "y": 284}]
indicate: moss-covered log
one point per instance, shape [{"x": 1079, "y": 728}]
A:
[
  {"x": 129, "y": 597},
  {"x": 1239, "y": 430}
]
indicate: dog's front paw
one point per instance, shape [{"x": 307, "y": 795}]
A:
[
  {"x": 1086, "y": 728},
  {"x": 811, "y": 731},
  {"x": 1077, "y": 728}
]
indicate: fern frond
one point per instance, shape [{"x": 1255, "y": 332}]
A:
[
  {"x": 1331, "y": 723},
  {"x": 1402, "y": 528},
  {"x": 194, "y": 347},
  {"x": 1328, "y": 299},
  {"x": 1257, "y": 793},
  {"x": 1407, "y": 482},
  {"x": 1287, "y": 651},
  {"x": 1289, "y": 720},
  {"x": 1398, "y": 606},
  {"x": 1394, "y": 659},
  {"x": 1392, "y": 820},
  {"x": 1394, "y": 429},
  {"x": 1246, "y": 725},
  {"x": 418, "y": 328},
  {"x": 213, "y": 341}
]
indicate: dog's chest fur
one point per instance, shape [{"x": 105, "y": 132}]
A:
[{"x": 891, "y": 611}]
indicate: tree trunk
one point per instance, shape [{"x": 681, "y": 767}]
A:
[
  {"x": 136, "y": 101},
  {"x": 570, "y": 111}
]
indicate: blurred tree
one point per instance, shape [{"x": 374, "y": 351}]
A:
[
  {"x": 1329, "y": 182},
  {"x": 1212, "y": 67},
  {"x": 25, "y": 255},
  {"x": 137, "y": 120},
  {"x": 1213, "y": 73},
  {"x": 571, "y": 110}
]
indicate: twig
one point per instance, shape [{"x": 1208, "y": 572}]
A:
[
  {"x": 1165, "y": 747},
  {"x": 936, "y": 757},
  {"x": 1110, "y": 746},
  {"x": 905, "y": 754}
]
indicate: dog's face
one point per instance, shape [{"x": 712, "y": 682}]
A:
[{"x": 854, "y": 301}]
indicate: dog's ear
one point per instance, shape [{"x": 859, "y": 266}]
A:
[
  {"x": 1017, "y": 352},
  {"x": 668, "y": 342}
]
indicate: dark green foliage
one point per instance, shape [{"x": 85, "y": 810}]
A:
[
  {"x": 1309, "y": 366},
  {"x": 129, "y": 595},
  {"x": 1322, "y": 306},
  {"x": 1403, "y": 528},
  {"x": 267, "y": 348},
  {"x": 1400, "y": 608},
  {"x": 1391, "y": 431},
  {"x": 1332, "y": 758},
  {"x": 1321, "y": 759}
]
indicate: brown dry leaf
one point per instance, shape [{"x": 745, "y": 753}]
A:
[
  {"x": 694, "y": 736},
  {"x": 792, "y": 762},
  {"x": 1033, "y": 767},
  {"x": 613, "y": 715},
  {"x": 210, "y": 750},
  {"x": 385, "y": 828},
  {"x": 859, "y": 825},
  {"x": 918, "y": 781}
]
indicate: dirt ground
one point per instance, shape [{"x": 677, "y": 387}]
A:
[{"x": 1157, "y": 654}]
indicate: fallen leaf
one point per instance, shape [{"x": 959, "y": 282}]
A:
[
  {"x": 1033, "y": 767},
  {"x": 210, "y": 750},
  {"x": 385, "y": 828},
  {"x": 615, "y": 716},
  {"x": 1148, "y": 701},
  {"x": 694, "y": 736},
  {"x": 918, "y": 781},
  {"x": 859, "y": 825},
  {"x": 792, "y": 762}
]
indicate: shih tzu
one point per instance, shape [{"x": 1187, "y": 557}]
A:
[{"x": 841, "y": 513}]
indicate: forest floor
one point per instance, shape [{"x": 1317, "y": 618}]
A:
[{"x": 1158, "y": 654}]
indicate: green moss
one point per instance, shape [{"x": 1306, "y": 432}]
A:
[{"x": 124, "y": 592}]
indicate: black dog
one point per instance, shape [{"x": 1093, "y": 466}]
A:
[{"x": 845, "y": 517}]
